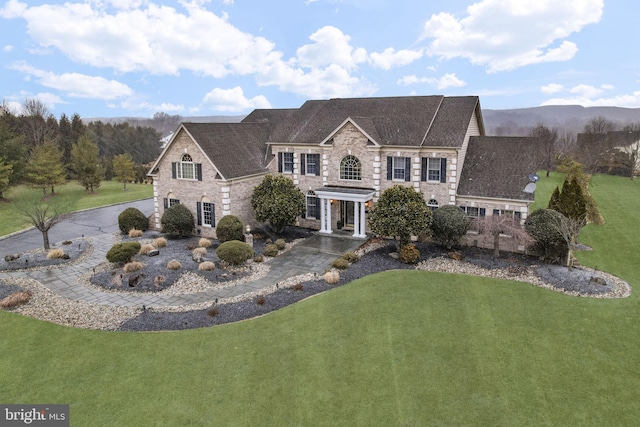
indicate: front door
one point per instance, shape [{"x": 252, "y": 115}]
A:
[{"x": 346, "y": 213}]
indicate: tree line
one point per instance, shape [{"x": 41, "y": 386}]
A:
[{"x": 39, "y": 150}]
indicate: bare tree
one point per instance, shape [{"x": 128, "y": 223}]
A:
[
  {"x": 37, "y": 123},
  {"x": 570, "y": 229},
  {"x": 545, "y": 138},
  {"x": 498, "y": 225},
  {"x": 43, "y": 216}
]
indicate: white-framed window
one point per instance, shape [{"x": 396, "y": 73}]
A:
[
  {"x": 173, "y": 202},
  {"x": 512, "y": 214},
  {"x": 310, "y": 164},
  {"x": 351, "y": 168},
  {"x": 186, "y": 168},
  {"x": 434, "y": 169},
  {"x": 474, "y": 212},
  {"x": 207, "y": 214},
  {"x": 432, "y": 204},
  {"x": 169, "y": 201},
  {"x": 285, "y": 162},
  {"x": 313, "y": 206}
]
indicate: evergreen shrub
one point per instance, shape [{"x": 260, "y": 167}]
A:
[
  {"x": 234, "y": 252},
  {"x": 121, "y": 253},
  {"x": 131, "y": 218},
  {"x": 229, "y": 228}
]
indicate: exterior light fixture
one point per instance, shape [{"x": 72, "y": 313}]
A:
[{"x": 248, "y": 228}]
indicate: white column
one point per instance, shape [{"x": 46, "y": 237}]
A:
[
  {"x": 356, "y": 219},
  {"x": 328, "y": 229},
  {"x": 323, "y": 206},
  {"x": 363, "y": 229}
]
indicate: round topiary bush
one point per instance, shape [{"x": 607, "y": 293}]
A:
[
  {"x": 121, "y": 253},
  {"x": 281, "y": 244},
  {"x": 271, "y": 250},
  {"x": 229, "y": 228},
  {"x": 234, "y": 252},
  {"x": 409, "y": 254},
  {"x": 132, "y": 218},
  {"x": 177, "y": 221},
  {"x": 449, "y": 224}
]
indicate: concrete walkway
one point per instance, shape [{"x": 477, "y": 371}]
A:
[{"x": 314, "y": 255}]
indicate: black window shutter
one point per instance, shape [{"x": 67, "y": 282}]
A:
[
  {"x": 483, "y": 212},
  {"x": 316, "y": 214},
  {"x": 199, "y": 212},
  {"x": 279, "y": 162},
  {"x": 174, "y": 170},
  {"x": 303, "y": 165},
  {"x": 443, "y": 170},
  {"x": 213, "y": 214},
  {"x": 165, "y": 201},
  {"x": 423, "y": 171},
  {"x": 389, "y": 168},
  {"x": 317, "y": 160},
  {"x": 199, "y": 171},
  {"x": 407, "y": 168}
]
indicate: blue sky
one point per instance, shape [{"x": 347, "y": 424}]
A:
[{"x": 110, "y": 58}]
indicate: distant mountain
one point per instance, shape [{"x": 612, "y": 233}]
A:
[{"x": 569, "y": 118}]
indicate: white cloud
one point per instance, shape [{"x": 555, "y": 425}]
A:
[
  {"x": 444, "y": 82},
  {"x": 162, "y": 40},
  {"x": 592, "y": 96},
  {"x": 134, "y": 105},
  {"x": 331, "y": 47},
  {"x": 503, "y": 35},
  {"x": 7, "y": 48},
  {"x": 390, "y": 58},
  {"x": 586, "y": 91},
  {"x": 77, "y": 85},
  {"x": 233, "y": 100},
  {"x": 552, "y": 88}
]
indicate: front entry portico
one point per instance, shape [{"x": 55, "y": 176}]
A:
[{"x": 354, "y": 198}]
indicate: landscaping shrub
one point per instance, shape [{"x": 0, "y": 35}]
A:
[
  {"x": 121, "y": 253},
  {"x": 174, "y": 264},
  {"x": 340, "y": 264},
  {"x": 280, "y": 244},
  {"x": 297, "y": 287},
  {"x": 332, "y": 277},
  {"x": 146, "y": 248},
  {"x": 55, "y": 254},
  {"x": 234, "y": 252},
  {"x": 204, "y": 243},
  {"x": 213, "y": 312},
  {"x": 229, "y": 228},
  {"x": 15, "y": 299},
  {"x": 206, "y": 266},
  {"x": 134, "y": 232},
  {"x": 351, "y": 257},
  {"x": 132, "y": 218},
  {"x": 541, "y": 225},
  {"x": 259, "y": 258},
  {"x": 271, "y": 250},
  {"x": 449, "y": 224},
  {"x": 177, "y": 221},
  {"x": 200, "y": 250},
  {"x": 160, "y": 242},
  {"x": 409, "y": 254},
  {"x": 261, "y": 300},
  {"x": 130, "y": 267}
]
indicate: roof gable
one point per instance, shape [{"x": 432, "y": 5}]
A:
[{"x": 498, "y": 167}]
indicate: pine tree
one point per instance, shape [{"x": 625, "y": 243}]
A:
[
  {"x": 5, "y": 175},
  {"x": 85, "y": 163},
  {"x": 45, "y": 167},
  {"x": 554, "y": 202},
  {"x": 123, "y": 169},
  {"x": 66, "y": 141}
]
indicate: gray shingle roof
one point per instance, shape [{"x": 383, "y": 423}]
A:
[
  {"x": 394, "y": 120},
  {"x": 236, "y": 149},
  {"x": 498, "y": 167}
]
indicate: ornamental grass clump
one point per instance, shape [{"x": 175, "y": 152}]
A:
[
  {"x": 234, "y": 252},
  {"x": 206, "y": 266},
  {"x": 130, "y": 267},
  {"x": 204, "y": 243},
  {"x": 146, "y": 248},
  {"x": 134, "y": 232},
  {"x": 15, "y": 299},
  {"x": 213, "y": 312},
  {"x": 280, "y": 244},
  {"x": 351, "y": 257},
  {"x": 55, "y": 254},
  {"x": 340, "y": 264},
  {"x": 332, "y": 277},
  {"x": 160, "y": 242},
  {"x": 200, "y": 251},
  {"x": 174, "y": 264}
]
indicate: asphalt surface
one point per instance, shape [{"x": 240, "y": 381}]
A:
[{"x": 92, "y": 222}]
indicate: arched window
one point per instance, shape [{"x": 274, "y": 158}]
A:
[
  {"x": 350, "y": 168},
  {"x": 432, "y": 204},
  {"x": 186, "y": 167}
]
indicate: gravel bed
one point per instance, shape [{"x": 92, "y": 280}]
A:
[
  {"x": 375, "y": 257},
  {"x": 76, "y": 250}
]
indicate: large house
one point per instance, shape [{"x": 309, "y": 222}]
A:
[{"x": 342, "y": 154}]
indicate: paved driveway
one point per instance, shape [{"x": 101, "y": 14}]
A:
[{"x": 92, "y": 222}]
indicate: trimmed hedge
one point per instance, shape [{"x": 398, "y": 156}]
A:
[
  {"x": 177, "y": 221},
  {"x": 131, "y": 218},
  {"x": 121, "y": 253},
  {"x": 234, "y": 252},
  {"x": 229, "y": 228}
]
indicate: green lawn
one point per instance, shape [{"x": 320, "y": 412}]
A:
[
  {"x": 397, "y": 348},
  {"x": 72, "y": 196}
]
